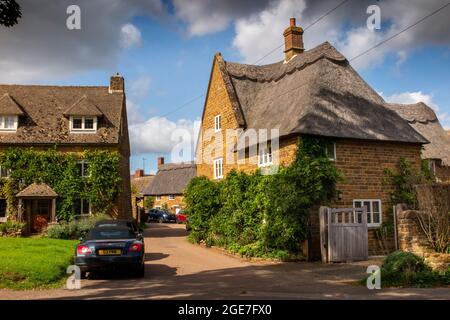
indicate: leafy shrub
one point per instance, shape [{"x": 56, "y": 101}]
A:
[
  {"x": 262, "y": 215},
  {"x": 407, "y": 269},
  {"x": 11, "y": 229},
  {"x": 74, "y": 229}
]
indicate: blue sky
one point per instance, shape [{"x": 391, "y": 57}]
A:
[{"x": 169, "y": 46}]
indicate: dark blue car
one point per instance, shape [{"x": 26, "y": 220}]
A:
[
  {"x": 110, "y": 248},
  {"x": 161, "y": 216}
]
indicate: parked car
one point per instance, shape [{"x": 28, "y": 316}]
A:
[
  {"x": 181, "y": 216},
  {"x": 110, "y": 248},
  {"x": 161, "y": 216},
  {"x": 129, "y": 223}
]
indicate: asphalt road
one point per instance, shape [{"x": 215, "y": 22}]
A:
[{"x": 176, "y": 269}]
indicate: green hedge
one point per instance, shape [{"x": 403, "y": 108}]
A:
[
  {"x": 262, "y": 215},
  {"x": 74, "y": 229}
]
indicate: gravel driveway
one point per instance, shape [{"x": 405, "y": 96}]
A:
[{"x": 176, "y": 269}]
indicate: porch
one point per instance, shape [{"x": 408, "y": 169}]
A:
[{"x": 37, "y": 207}]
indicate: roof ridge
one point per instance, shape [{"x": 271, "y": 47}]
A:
[{"x": 48, "y": 85}]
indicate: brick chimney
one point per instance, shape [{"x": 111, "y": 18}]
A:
[
  {"x": 293, "y": 41},
  {"x": 139, "y": 173},
  {"x": 160, "y": 161},
  {"x": 117, "y": 84}
]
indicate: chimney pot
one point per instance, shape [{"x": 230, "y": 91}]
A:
[
  {"x": 292, "y": 20},
  {"x": 117, "y": 84},
  {"x": 160, "y": 161},
  {"x": 139, "y": 173},
  {"x": 293, "y": 40}
]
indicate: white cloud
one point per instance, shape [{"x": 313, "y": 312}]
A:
[
  {"x": 418, "y": 96},
  {"x": 160, "y": 135},
  {"x": 140, "y": 87},
  {"x": 130, "y": 36}
]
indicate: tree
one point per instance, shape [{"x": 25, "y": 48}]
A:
[{"x": 10, "y": 13}]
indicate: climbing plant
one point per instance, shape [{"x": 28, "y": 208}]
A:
[
  {"x": 100, "y": 184},
  {"x": 263, "y": 215}
]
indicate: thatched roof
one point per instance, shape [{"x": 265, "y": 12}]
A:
[
  {"x": 140, "y": 183},
  {"x": 83, "y": 107},
  {"x": 171, "y": 179},
  {"x": 37, "y": 190},
  {"x": 9, "y": 107},
  {"x": 423, "y": 119},
  {"x": 43, "y": 120},
  {"x": 316, "y": 92}
]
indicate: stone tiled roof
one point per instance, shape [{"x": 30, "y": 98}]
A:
[
  {"x": 37, "y": 190},
  {"x": 423, "y": 119},
  {"x": 171, "y": 179},
  {"x": 316, "y": 92},
  {"x": 44, "y": 108},
  {"x": 8, "y": 106}
]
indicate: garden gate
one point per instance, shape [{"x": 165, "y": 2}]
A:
[{"x": 343, "y": 234}]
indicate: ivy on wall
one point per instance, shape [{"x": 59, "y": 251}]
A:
[
  {"x": 100, "y": 185},
  {"x": 263, "y": 215}
]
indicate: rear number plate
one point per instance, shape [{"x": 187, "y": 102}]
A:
[{"x": 111, "y": 252}]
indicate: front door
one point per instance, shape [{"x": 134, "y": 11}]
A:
[{"x": 40, "y": 210}]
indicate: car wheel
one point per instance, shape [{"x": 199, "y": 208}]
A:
[
  {"x": 160, "y": 220},
  {"x": 83, "y": 275}
]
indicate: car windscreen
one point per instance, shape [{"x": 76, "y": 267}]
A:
[{"x": 104, "y": 234}]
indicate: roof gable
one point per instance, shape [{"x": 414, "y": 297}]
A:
[
  {"x": 319, "y": 93},
  {"x": 9, "y": 107},
  {"x": 83, "y": 107},
  {"x": 37, "y": 190}
]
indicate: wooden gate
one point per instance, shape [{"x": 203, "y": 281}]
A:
[{"x": 343, "y": 234}]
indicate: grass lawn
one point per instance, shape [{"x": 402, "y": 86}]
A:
[{"x": 29, "y": 263}]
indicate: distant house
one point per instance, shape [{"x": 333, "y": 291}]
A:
[
  {"x": 312, "y": 92},
  {"x": 423, "y": 119},
  {"x": 139, "y": 181},
  {"x": 169, "y": 184},
  {"x": 71, "y": 119}
]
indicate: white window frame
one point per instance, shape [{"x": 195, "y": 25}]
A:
[
  {"x": 370, "y": 210},
  {"x": 217, "y": 123},
  {"x": 265, "y": 156},
  {"x": 334, "y": 152},
  {"x": 83, "y": 170},
  {"x": 158, "y": 198},
  {"x": 171, "y": 197},
  {"x": 83, "y": 123},
  {"x": 218, "y": 168},
  {"x": 3, "y": 123},
  {"x": 8, "y": 173}
]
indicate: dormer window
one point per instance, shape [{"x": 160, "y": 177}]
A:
[
  {"x": 83, "y": 124},
  {"x": 8, "y": 122}
]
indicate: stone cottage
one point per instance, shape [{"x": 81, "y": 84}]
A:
[
  {"x": 169, "y": 184},
  {"x": 313, "y": 92},
  {"x": 423, "y": 119},
  {"x": 71, "y": 119},
  {"x": 139, "y": 181}
]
